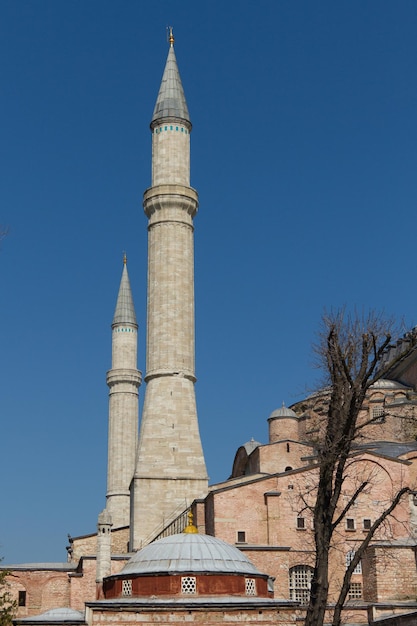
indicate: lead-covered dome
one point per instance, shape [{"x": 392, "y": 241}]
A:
[
  {"x": 385, "y": 383},
  {"x": 63, "y": 615},
  {"x": 189, "y": 553},
  {"x": 283, "y": 411}
]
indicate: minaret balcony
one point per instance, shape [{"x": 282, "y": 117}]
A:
[
  {"x": 170, "y": 202},
  {"x": 118, "y": 376}
]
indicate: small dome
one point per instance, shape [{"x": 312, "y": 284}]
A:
[
  {"x": 189, "y": 553},
  {"x": 384, "y": 383},
  {"x": 251, "y": 445},
  {"x": 63, "y": 614},
  {"x": 283, "y": 412}
]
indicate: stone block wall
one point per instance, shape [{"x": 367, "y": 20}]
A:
[{"x": 394, "y": 575}]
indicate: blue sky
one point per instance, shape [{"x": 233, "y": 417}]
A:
[{"x": 304, "y": 150}]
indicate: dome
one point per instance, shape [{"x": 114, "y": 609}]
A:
[
  {"x": 189, "y": 553},
  {"x": 251, "y": 445},
  {"x": 283, "y": 412},
  {"x": 63, "y": 614},
  {"x": 385, "y": 383}
]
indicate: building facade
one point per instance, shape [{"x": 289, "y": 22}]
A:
[{"x": 263, "y": 510}]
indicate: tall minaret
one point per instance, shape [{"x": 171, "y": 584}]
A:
[
  {"x": 170, "y": 469},
  {"x": 123, "y": 380}
]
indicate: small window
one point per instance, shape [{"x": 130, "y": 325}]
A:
[
  {"x": 126, "y": 587},
  {"x": 288, "y": 447},
  {"x": 378, "y": 414},
  {"x": 250, "y": 587},
  {"x": 288, "y": 468},
  {"x": 188, "y": 585},
  {"x": 22, "y": 598},
  {"x": 367, "y": 524},
  {"x": 355, "y": 591},
  {"x": 350, "y": 523},
  {"x": 349, "y": 558},
  {"x": 241, "y": 536},
  {"x": 301, "y": 523}
]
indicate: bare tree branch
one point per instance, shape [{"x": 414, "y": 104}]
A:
[
  {"x": 359, "y": 552},
  {"x": 351, "y": 350},
  {"x": 349, "y": 504}
]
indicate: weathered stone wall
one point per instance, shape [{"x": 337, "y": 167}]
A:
[
  {"x": 86, "y": 545},
  {"x": 206, "y": 615},
  {"x": 270, "y": 519},
  {"x": 44, "y": 590},
  {"x": 50, "y": 589},
  {"x": 395, "y": 575}
]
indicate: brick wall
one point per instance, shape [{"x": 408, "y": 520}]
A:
[{"x": 44, "y": 590}]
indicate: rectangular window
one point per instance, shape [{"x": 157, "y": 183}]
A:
[
  {"x": 349, "y": 558},
  {"x": 241, "y": 536},
  {"x": 355, "y": 591},
  {"x": 350, "y": 523},
  {"x": 250, "y": 587},
  {"x": 301, "y": 523},
  {"x": 126, "y": 587},
  {"x": 367, "y": 524},
  {"x": 22, "y": 598},
  {"x": 378, "y": 414},
  {"x": 300, "y": 583}
]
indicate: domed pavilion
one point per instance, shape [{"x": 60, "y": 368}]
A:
[{"x": 188, "y": 575}]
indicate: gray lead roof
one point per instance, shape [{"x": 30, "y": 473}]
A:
[
  {"x": 125, "y": 311},
  {"x": 63, "y": 615},
  {"x": 170, "y": 102},
  {"x": 189, "y": 553}
]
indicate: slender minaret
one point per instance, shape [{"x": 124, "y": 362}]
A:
[
  {"x": 123, "y": 380},
  {"x": 103, "y": 564},
  {"x": 170, "y": 469}
]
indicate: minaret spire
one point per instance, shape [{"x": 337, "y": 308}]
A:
[
  {"x": 123, "y": 381},
  {"x": 171, "y": 36},
  {"x": 125, "y": 310},
  {"x": 171, "y": 103},
  {"x": 170, "y": 467}
]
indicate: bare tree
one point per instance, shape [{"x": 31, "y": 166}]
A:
[
  {"x": 8, "y": 605},
  {"x": 351, "y": 351}
]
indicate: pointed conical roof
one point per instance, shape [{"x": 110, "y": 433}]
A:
[
  {"x": 125, "y": 310},
  {"x": 171, "y": 99}
]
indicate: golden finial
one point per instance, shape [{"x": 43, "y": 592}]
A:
[
  {"x": 124, "y": 258},
  {"x": 190, "y": 528},
  {"x": 171, "y": 36}
]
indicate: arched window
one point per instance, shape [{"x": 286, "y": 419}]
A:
[{"x": 300, "y": 583}]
